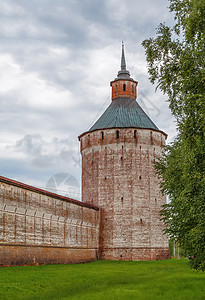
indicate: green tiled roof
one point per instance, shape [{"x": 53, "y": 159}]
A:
[{"x": 124, "y": 113}]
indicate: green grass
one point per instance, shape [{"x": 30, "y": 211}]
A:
[{"x": 170, "y": 279}]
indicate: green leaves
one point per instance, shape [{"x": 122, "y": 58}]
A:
[{"x": 176, "y": 63}]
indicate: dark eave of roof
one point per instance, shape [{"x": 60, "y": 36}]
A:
[{"x": 46, "y": 193}]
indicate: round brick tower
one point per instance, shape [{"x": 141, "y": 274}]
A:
[{"x": 119, "y": 177}]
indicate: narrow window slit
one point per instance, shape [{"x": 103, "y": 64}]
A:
[{"x": 117, "y": 134}]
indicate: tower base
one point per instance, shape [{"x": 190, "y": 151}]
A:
[{"x": 135, "y": 254}]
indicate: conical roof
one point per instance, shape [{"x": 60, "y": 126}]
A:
[{"x": 124, "y": 112}]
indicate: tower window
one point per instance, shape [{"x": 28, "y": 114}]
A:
[
  {"x": 102, "y": 135},
  {"x": 117, "y": 134},
  {"x": 115, "y": 88},
  {"x": 124, "y": 87},
  {"x": 151, "y": 138},
  {"x": 135, "y": 134},
  {"x": 132, "y": 88}
]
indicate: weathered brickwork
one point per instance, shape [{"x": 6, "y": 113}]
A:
[
  {"x": 119, "y": 177},
  {"x": 40, "y": 227}
]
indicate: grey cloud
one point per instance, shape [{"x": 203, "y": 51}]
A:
[
  {"x": 64, "y": 54},
  {"x": 36, "y": 145},
  {"x": 47, "y": 152},
  {"x": 30, "y": 144},
  {"x": 46, "y": 25}
]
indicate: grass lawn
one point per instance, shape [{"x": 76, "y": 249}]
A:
[{"x": 169, "y": 279}]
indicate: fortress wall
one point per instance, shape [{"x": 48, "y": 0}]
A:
[
  {"x": 128, "y": 191},
  {"x": 38, "y": 227}
]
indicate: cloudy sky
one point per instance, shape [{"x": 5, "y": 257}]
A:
[{"x": 57, "y": 59}]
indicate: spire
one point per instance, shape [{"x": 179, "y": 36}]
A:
[
  {"x": 123, "y": 73},
  {"x": 123, "y": 63}
]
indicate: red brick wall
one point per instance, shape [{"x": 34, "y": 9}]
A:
[
  {"x": 119, "y": 91},
  {"x": 118, "y": 176},
  {"x": 36, "y": 228}
]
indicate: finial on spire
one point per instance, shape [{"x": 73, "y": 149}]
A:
[
  {"x": 123, "y": 73},
  {"x": 123, "y": 63}
]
